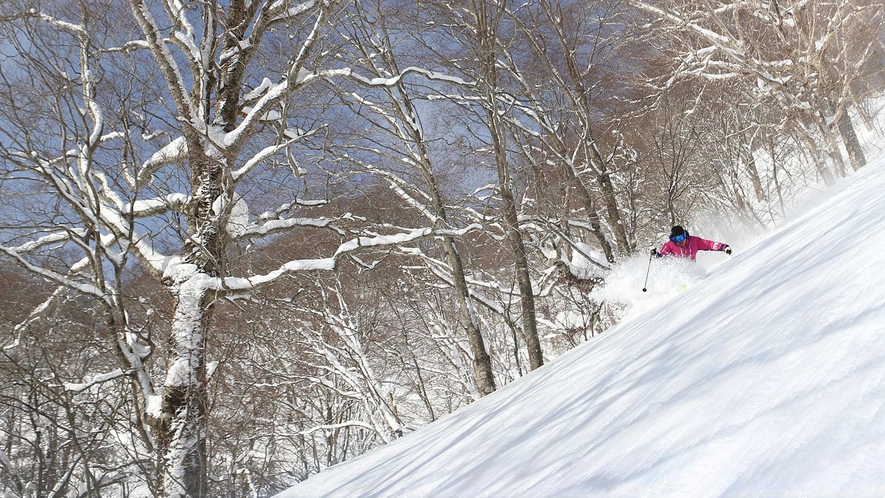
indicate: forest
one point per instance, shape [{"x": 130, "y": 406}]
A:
[{"x": 245, "y": 240}]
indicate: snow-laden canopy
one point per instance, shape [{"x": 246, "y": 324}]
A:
[{"x": 766, "y": 378}]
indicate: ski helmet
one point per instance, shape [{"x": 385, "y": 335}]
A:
[{"x": 678, "y": 231}]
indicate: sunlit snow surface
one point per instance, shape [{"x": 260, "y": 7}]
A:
[{"x": 765, "y": 378}]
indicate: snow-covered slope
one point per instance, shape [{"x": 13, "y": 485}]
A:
[{"x": 767, "y": 378}]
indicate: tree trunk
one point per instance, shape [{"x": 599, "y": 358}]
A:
[
  {"x": 609, "y": 198},
  {"x": 592, "y": 216},
  {"x": 611, "y": 206},
  {"x": 514, "y": 237},
  {"x": 182, "y": 427},
  {"x": 746, "y": 154},
  {"x": 849, "y": 138},
  {"x": 482, "y": 363},
  {"x": 843, "y": 124},
  {"x": 487, "y": 18},
  {"x": 812, "y": 148},
  {"x": 826, "y": 129},
  {"x": 526, "y": 293}
]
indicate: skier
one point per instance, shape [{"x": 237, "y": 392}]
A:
[{"x": 683, "y": 245}]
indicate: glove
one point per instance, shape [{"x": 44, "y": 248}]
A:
[
  {"x": 654, "y": 252},
  {"x": 727, "y": 250}
]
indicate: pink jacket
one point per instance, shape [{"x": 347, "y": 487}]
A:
[{"x": 691, "y": 248}]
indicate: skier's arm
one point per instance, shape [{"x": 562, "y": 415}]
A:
[{"x": 710, "y": 245}]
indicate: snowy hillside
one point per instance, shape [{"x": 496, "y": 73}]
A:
[{"x": 766, "y": 378}]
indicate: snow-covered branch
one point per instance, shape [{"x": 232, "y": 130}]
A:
[
  {"x": 264, "y": 154},
  {"x": 243, "y": 284},
  {"x": 98, "y": 379},
  {"x": 163, "y": 57},
  {"x": 253, "y": 230},
  {"x": 174, "y": 151},
  {"x": 82, "y": 287},
  {"x": 152, "y": 207},
  {"x": 296, "y": 76}
]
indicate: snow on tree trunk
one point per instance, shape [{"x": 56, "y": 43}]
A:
[{"x": 182, "y": 428}]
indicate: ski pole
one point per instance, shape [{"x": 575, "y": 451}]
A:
[{"x": 650, "y": 256}]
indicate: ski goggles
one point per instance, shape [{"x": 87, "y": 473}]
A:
[{"x": 678, "y": 238}]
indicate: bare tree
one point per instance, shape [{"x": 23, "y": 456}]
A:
[
  {"x": 570, "y": 45},
  {"x": 487, "y": 17},
  {"x": 398, "y": 118},
  {"x": 802, "y": 57},
  {"x": 81, "y": 136},
  {"x": 57, "y": 430}
]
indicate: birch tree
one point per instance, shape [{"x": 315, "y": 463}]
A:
[
  {"x": 403, "y": 146},
  {"x": 487, "y": 17},
  {"x": 570, "y": 45},
  {"x": 124, "y": 120}
]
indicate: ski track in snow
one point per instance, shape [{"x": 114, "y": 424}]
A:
[{"x": 764, "y": 378}]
